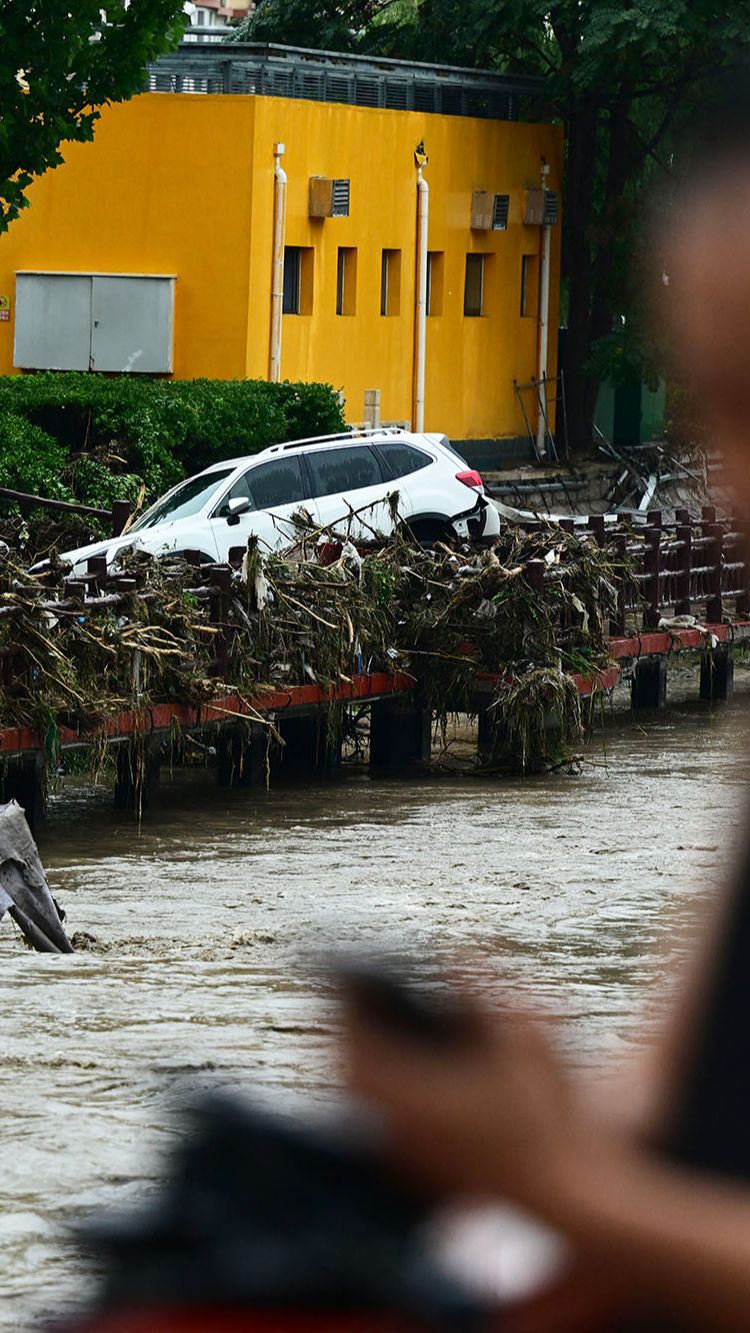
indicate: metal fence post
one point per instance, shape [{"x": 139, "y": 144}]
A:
[
  {"x": 684, "y": 534},
  {"x": 652, "y": 570},
  {"x": 595, "y": 523},
  {"x": 617, "y": 623},
  {"x": 714, "y": 557},
  {"x": 120, "y": 514},
  {"x": 534, "y": 573}
]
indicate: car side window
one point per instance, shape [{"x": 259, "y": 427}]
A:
[
  {"x": 269, "y": 485},
  {"x": 337, "y": 470},
  {"x": 240, "y": 490},
  {"x": 402, "y": 459}
]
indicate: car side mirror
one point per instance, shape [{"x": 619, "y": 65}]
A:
[{"x": 239, "y": 505}]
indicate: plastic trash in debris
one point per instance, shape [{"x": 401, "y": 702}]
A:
[
  {"x": 350, "y": 553},
  {"x": 679, "y": 622},
  {"x": 24, "y": 891}
]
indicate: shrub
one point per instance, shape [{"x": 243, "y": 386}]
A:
[
  {"x": 30, "y": 460},
  {"x": 68, "y": 432}
]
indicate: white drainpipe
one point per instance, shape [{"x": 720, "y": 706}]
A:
[
  {"x": 541, "y": 433},
  {"x": 420, "y": 357},
  {"x": 277, "y": 283}
]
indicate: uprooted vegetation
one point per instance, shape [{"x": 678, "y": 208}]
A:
[{"x": 527, "y": 613}]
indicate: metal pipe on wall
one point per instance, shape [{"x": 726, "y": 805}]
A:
[
  {"x": 420, "y": 351},
  {"x": 277, "y": 281},
  {"x": 544, "y": 284}
]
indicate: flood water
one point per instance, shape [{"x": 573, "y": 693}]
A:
[{"x": 203, "y": 920}]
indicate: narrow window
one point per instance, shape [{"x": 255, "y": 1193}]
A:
[
  {"x": 529, "y": 286},
  {"x": 298, "y": 280},
  {"x": 390, "y": 283},
  {"x": 346, "y": 281},
  {"x": 292, "y": 274},
  {"x": 435, "y": 268},
  {"x": 474, "y": 285}
]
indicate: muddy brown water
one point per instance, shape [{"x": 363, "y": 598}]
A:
[{"x": 573, "y": 886}]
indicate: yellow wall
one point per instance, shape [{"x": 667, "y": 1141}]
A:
[
  {"x": 471, "y": 362},
  {"x": 164, "y": 188},
  {"x": 184, "y": 185}
]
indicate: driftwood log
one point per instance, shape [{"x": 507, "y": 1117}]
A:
[{"x": 24, "y": 891}]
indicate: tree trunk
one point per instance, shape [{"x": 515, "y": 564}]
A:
[
  {"x": 581, "y": 173},
  {"x": 621, "y": 163}
]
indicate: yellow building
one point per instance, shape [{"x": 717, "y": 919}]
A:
[{"x": 179, "y": 187}]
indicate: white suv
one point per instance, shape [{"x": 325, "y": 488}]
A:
[{"x": 344, "y": 481}]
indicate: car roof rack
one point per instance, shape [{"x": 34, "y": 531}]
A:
[{"x": 354, "y": 434}]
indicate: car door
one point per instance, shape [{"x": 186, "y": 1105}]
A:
[
  {"x": 276, "y": 489},
  {"x": 350, "y": 491},
  {"x": 407, "y": 466}
]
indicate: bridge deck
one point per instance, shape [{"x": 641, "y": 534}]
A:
[{"x": 364, "y": 688}]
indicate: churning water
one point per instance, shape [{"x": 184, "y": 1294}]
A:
[{"x": 202, "y": 920}]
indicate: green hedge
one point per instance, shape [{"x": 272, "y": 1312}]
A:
[{"x": 96, "y": 438}]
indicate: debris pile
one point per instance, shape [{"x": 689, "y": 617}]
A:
[{"x": 74, "y": 651}]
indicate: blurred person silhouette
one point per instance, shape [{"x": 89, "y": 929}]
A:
[{"x": 653, "y": 1194}]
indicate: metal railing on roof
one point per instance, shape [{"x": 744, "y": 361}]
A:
[{"x": 215, "y": 66}]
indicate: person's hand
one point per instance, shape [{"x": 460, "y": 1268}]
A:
[{"x": 496, "y": 1114}]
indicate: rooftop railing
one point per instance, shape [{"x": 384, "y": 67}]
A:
[{"x": 207, "y": 64}]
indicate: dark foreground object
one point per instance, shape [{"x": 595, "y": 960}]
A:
[
  {"x": 268, "y": 1226},
  {"x": 24, "y": 891}
]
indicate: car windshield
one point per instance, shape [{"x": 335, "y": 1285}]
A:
[{"x": 188, "y": 499}]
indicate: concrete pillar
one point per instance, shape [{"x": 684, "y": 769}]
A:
[
  {"x": 241, "y": 753},
  {"x": 25, "y": 781},
  {"x": 717, "y": 674},
  {"x": 372, "y": 408},
  {"x": 400, "y": 733},
  {"x": 649, "y": 688},
  {"x": 138, "y": 773},
  {"x": 312, "y": 745}
]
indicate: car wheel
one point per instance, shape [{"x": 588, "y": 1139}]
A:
[{"x": 427, "y": 531}]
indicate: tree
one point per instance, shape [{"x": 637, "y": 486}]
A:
[
  {"x": 350, "y": 25},
  {"x": 624, "y": 76},
  {"x": 59, "y": 63}
]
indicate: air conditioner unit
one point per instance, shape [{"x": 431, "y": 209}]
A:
[
  {"x": 540, "y": 208},
  {"x": 489, "y": 212},
  {"x": 329, "y": 198},
  {"x": 533, "y": 208}
]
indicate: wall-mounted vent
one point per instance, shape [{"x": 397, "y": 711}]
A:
[
  {"x": 340, "y": 199},
  {"x": 489, "y": 212},
  {"x": 540, "y": 208},
  {"x": 329, "y": 198},
  {"x": 500, "y": 210}
]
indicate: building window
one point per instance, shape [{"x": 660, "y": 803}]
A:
[
  {"x": 298, "y": 280},
  {"x": 474, "y": 285},
  {"x": 435, "y": 270},
  {"x": 529, "y": 286},
  {"x": 346, "y": 281},
  {"x": 390, "y": 283}
]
